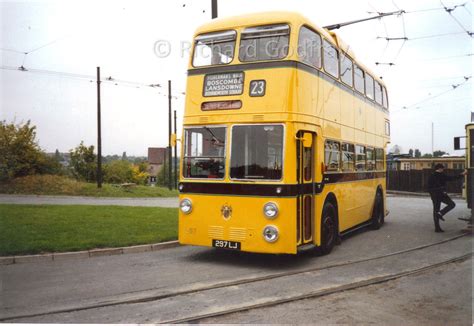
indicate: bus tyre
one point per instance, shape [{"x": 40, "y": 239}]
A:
[
  {"x": 378, "y": 212},
  {"x": 329, "y": 232}
]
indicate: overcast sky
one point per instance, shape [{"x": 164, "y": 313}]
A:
[{"x": 426, "y": 84}]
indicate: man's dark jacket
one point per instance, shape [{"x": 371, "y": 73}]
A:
[{"x": 437, "y": 181}]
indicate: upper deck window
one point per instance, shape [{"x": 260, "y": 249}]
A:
[
  {"x": 264, "y": 43},
  {"x": 214, "y": 48},
  {"x": 359, "y": 79},
  {"x": 385, "y": 99},
  {"x": 346, "y": 69},
  {"x": 369, "y": 86},
  {"x": 309, "y": 47},
  {"x": 378, "y": 93},
  {"x": 331, "y": 59}
]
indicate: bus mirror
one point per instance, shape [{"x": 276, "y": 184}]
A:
[
  {"x": 457, "y": 143},
  {"x": 307, "y": 140},
  {"x": 174, "y": 140}
]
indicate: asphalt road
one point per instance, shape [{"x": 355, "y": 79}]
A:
[
  {"x": 38, "y": 287},
  {"x": 422, "y": 299}
]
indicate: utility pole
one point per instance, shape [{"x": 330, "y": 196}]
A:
[
  {"x": 214, "y": 9},
  {"x": 175, "y": 155},
  {"x": 169, "y": 138},
  {"x": 99, "y": 134},
  {"x": 432, "y": 138}
]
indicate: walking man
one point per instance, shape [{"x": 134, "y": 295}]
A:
[{"x": 437, "y": 189}]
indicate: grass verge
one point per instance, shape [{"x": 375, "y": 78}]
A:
[
  {"x": 59, "y": 185},
  {"x": 34, "y": 229}
]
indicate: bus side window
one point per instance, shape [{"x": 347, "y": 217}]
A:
[
  {"x": 359, "y": 79},
  {"x": 346, "y": 70},
  {"x": 370, "y": 159},
  {"x": 330, "y": 59},
  {"x": 347, "y": 157},
  {"x": 369, "y": 86},
  {"x": 331, "y": 156},
  {"x": 385, "y": 98},
  {"x": 387, "y": 127},
  {"x": 360, "y": 158},
  {"x": 309, "y": 47},
  {"x": 379, "y": 159},
  {"x": 378, "y": 93}
]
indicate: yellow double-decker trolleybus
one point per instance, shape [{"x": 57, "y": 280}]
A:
[
  {"x": 284, "y": 137},
  {"x": 468, "y": 189}
]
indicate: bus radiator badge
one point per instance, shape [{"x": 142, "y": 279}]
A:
[{"x": 226, "y": 212}]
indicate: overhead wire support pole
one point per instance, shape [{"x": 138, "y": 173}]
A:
[
  {"x": 175, "y": 155},
  {"x": 380, "y": 15},
  {"x": 99, "y": 134},
  {"x": 169, "y": 139},
  {"x": 214, "y": 9}
]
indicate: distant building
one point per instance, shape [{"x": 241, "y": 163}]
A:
[
  {"x": 156, "y": 160},
  {"x": 405, "y": 162}
]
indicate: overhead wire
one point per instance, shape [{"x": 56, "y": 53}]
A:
[
  {"x": 11, "y": 50},
  {"x": 91, "y": 78},
  {"x": 450, "y": 10},
  {"x": 453, "y": 88}
]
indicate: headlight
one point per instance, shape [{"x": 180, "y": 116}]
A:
[
  {"x": 185, "y": 206},
  {"x": 270, "y": 233},
  {"x": 270, "y": 210}
]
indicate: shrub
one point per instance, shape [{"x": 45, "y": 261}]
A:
[
  {"x": 21, "y": 154},
  {"x": 118, "y": 172},
  {"x": 83, "y": 163}
]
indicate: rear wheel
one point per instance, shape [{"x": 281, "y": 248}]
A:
[
  {"x": 378, "y": 213},
  {"x": 329, "y": 232}
]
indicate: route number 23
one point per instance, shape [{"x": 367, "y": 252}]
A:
[{"x": 257, "y": 87}]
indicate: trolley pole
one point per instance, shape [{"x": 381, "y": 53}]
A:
[
  {"x": 99, "y": 134},
  {"x": 169, "y": 138},
  {"x": 175, "y": 155},
  {"x": 214, "y": 9}
]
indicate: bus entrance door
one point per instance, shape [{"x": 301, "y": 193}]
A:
[{"x": 305, "y": 199}]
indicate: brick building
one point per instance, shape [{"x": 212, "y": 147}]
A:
[{"x": 156, "y": 160}]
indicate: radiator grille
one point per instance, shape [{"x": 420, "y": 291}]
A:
[
  {"x": 237, "y": 234},
  {"x": 216, "y": 232}
]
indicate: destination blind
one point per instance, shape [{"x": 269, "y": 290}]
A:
[{"x": 224, "y": 84}]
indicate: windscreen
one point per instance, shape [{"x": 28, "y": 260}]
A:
[
  {"x": 204, "y": 152},
  {"x": 264, "y": 43},
  {"x": 257, "y": 152}
]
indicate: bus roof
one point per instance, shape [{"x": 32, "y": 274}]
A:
[
  {"x": 275, "y": 17},
  {"x": 251, "y": 20}
]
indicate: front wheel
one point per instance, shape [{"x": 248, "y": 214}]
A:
[
  {"x": 329, "y": 231},
  {"x": 378, "y": 214}
]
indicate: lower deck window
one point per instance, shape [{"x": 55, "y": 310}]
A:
[
  {"x": 360, "y": 158},
  {"x": 257, "y": 152},
  {"x": 331, "y": 156}
]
